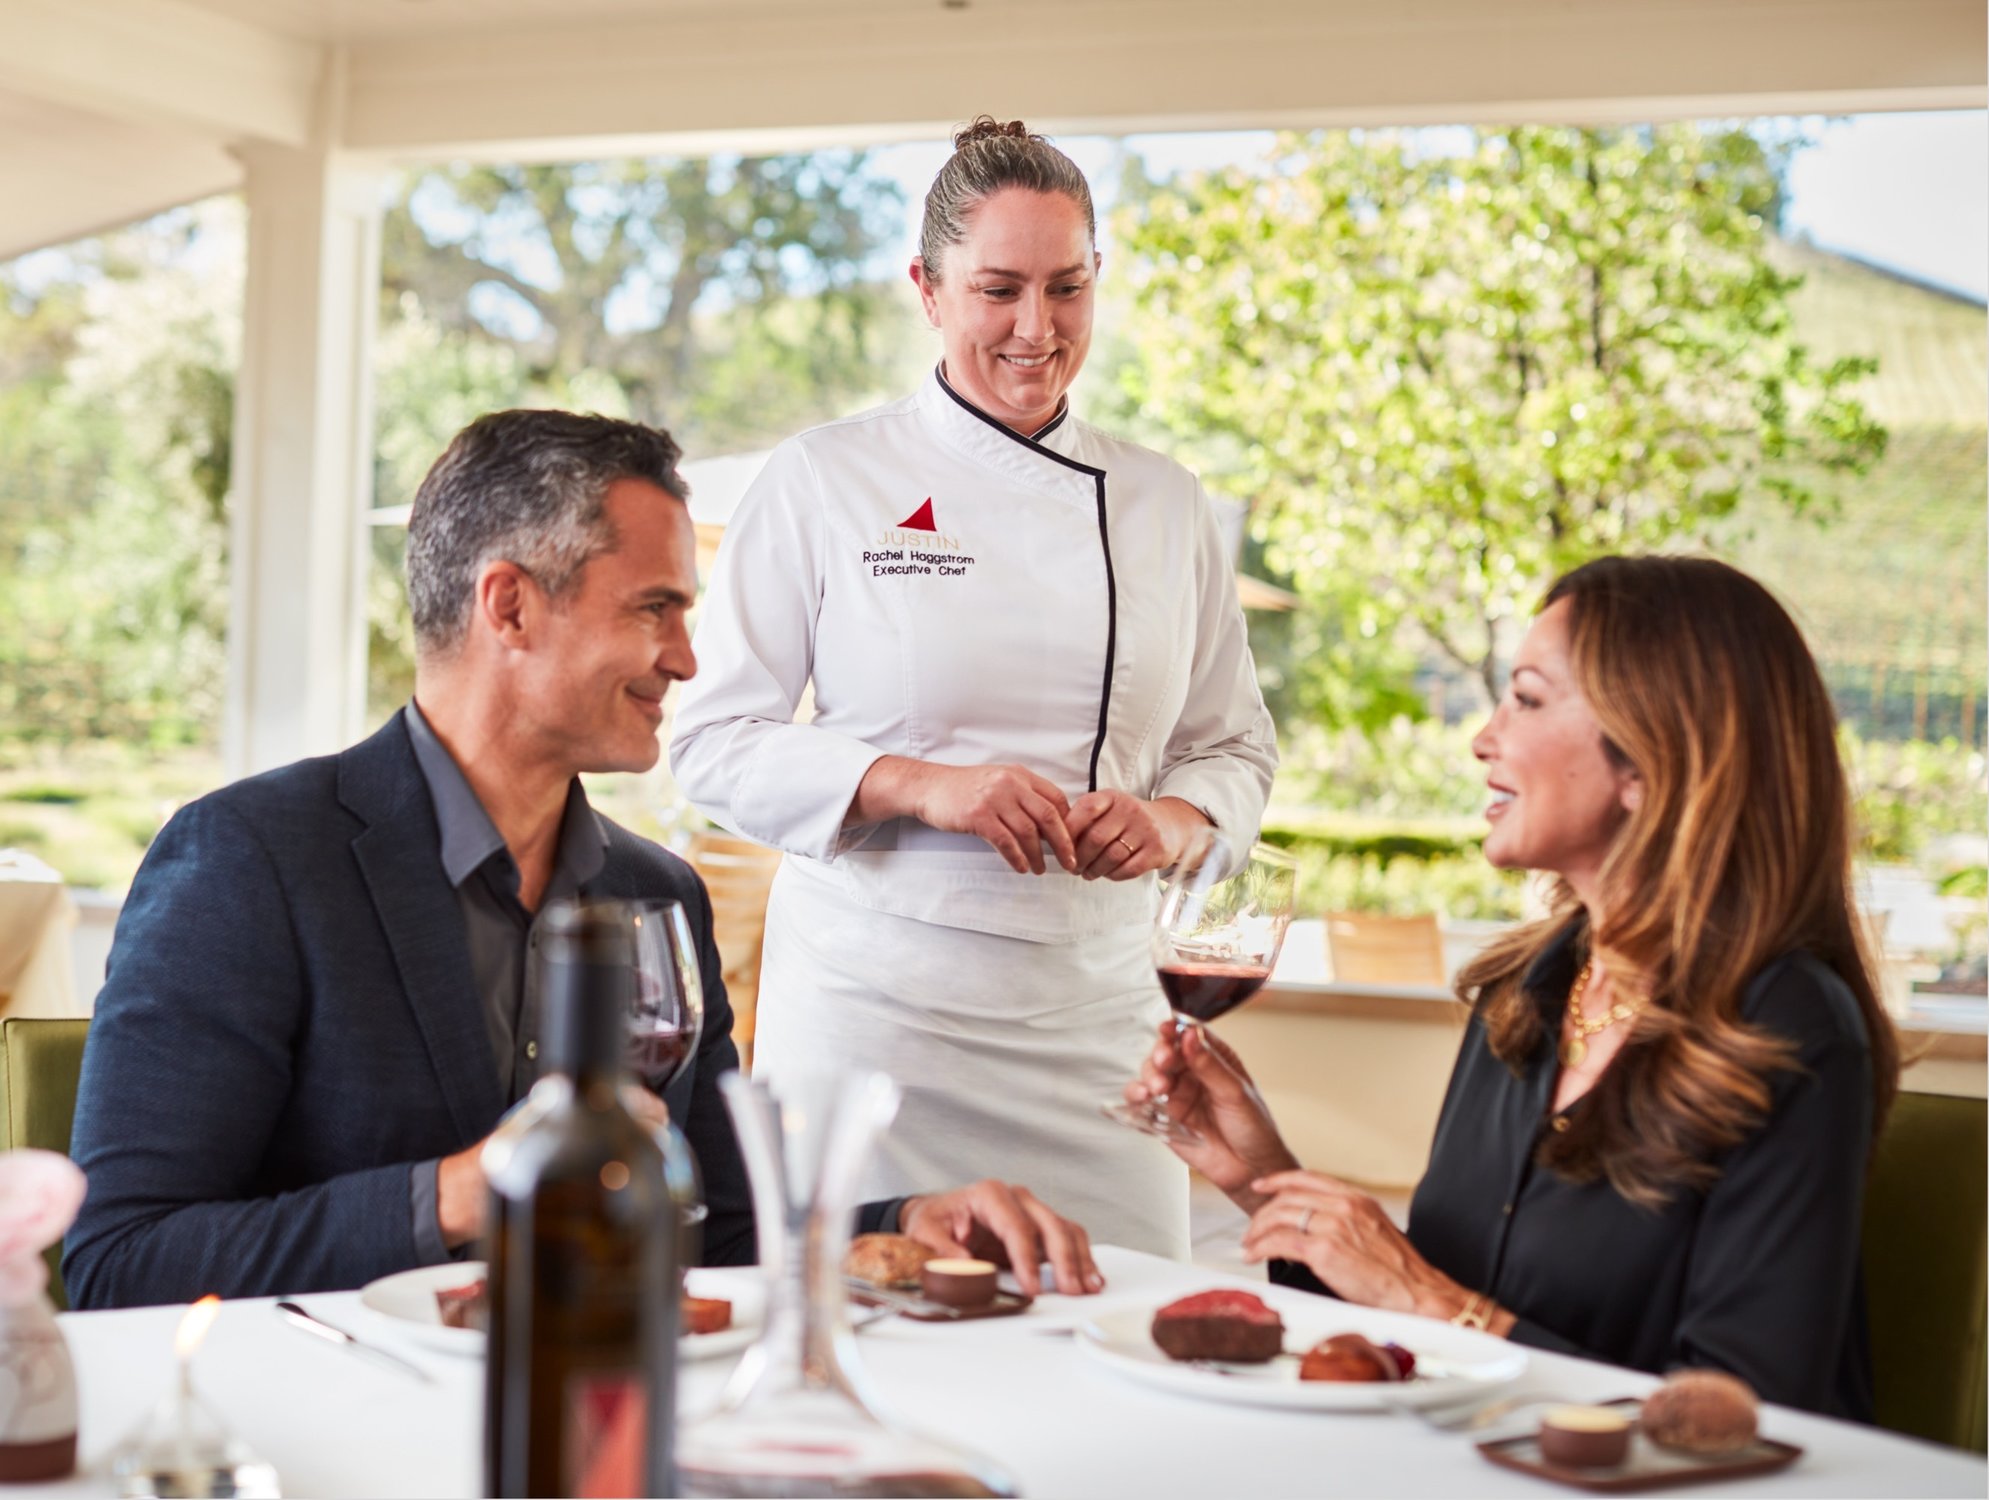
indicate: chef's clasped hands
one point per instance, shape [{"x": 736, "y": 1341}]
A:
[{"x": 1102, "y": 835}]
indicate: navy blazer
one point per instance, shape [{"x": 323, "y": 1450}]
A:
[{"x": 290, "y": 1022}]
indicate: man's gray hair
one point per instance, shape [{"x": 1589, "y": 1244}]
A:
[
  {"x": 525, "y": 487},
  {"x": 987, "y": 157}
]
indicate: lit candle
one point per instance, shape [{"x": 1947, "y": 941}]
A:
[
  {"x": 182, "y": 1449},
  {"x": 192, "y": 1332}
]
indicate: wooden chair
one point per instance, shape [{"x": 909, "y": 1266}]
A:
[
  {"x": 1369, "y": 949},
  {"x": 738, "y": 873}
]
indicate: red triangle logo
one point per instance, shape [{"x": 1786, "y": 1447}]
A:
[{"x": 920, "y": 519}]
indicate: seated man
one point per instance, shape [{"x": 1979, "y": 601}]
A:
[{"x": 321, "y": 1000}]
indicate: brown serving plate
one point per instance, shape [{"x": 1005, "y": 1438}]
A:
[
  {"x": 1648, "y": 1467},
  {"x": 910, "y": 1304}
]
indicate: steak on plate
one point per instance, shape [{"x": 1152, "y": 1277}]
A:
[
  {"x": 468, "y": 1306},
  {"x": 704, "y": 1315},
  {"x": 465, "y": 1306},
  {"x": 1236, "y": 1327}
]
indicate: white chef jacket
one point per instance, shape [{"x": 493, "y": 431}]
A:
[{"x": 962, "y": 594}]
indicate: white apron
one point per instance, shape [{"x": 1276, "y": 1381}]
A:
[
  {"x": 956, "y": 593},
  {"x": 1005, "y": 1050}
]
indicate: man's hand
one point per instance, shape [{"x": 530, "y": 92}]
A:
[
  {"x": 462, "y": 1194},
  {"x": 648, "y": 1108},
  {"x": 1009, "y": 1226}
]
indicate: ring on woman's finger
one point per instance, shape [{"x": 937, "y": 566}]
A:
[
  {"x": 1304, "y": 1220},
  {"x": 1130, "y": 850}
]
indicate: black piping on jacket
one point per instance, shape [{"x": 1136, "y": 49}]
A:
[{"x": 1104, "y": 543}]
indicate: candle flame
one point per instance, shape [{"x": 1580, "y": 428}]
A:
[{"x": 193, "y": 1327}]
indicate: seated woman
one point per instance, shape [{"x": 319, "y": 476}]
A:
[{"x": 1653, "y": 1147}]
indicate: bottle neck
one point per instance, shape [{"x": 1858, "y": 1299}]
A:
[{"x": 586, "y": 1008}]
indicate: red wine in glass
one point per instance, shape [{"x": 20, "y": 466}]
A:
[
  {"x": 657, "y": 1057},
  {"x": 1215, "y": 940},
  {"x": 666, "y": 1015},
  {"x": 1208, "y": 990},
  {"x": 666, "y": 1011}
]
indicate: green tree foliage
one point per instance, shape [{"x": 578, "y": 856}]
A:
[
  {"x": 1446, "y": 377},
  {"x": 731, "y": 299},
  {"x": 116, "y": 398}
]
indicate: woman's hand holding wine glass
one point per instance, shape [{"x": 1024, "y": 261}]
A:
[
  {"x": 1228, "y": 1134},
  {"x": 1215, "y": 941}
]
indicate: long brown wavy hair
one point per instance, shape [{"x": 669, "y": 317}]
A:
[{"x": 1738, "y": 851}]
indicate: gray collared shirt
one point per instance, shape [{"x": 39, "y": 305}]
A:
[{"x": 503, "y": 935}]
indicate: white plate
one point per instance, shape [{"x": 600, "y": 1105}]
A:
[
  {"x": 1450, "y": 1362},
  {"x": 408, "y": 1299}
]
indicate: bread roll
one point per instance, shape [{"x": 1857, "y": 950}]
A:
[
  {"x": 1701, "y": 1411},
  {"x": 886, "y": 1259}
]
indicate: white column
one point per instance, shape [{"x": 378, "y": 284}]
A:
[{"x": 303, "y": 446}]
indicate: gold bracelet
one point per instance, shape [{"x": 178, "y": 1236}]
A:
[{"x": 1476, "y": 1313}]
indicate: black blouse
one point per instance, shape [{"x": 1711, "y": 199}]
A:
[{"x": 1757, "y": 1274}]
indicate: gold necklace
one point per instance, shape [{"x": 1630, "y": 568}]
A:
[{"x": 1575, "y": 1047}]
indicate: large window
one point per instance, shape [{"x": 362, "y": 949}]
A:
[
  {"x": 1789, "y": 374},
  {"x": 1806, "y": 296}
]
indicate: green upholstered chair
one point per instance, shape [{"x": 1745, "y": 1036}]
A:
[
  {"x": 41, "y": 1062},
  {"x": 1925, "y": 1252}
]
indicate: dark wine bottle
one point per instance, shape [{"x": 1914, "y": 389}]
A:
[{"x": 581, "y": 1376}]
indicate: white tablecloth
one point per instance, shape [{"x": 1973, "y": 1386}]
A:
[{"x": 1065, "y": 1425}]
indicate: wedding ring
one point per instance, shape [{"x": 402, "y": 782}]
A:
[
  {"x": 1304, "y": 1220},
  {"x": 1130, "y": 850}
]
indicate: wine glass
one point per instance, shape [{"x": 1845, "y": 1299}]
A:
[
  {"x": 666, "y": 1010},
  {"x": 1215, "y": 941},
  {"x": 665, "y": 1018}
]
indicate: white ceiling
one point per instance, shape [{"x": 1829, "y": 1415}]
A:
[
  {"x": 378, "y": 20},
  {"x": 110, "y": 109}
]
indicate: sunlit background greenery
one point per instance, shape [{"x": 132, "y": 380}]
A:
[{"x": 1441, "y": 369}]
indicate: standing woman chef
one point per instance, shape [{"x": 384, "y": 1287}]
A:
[{"x": 1032, "y": 691}]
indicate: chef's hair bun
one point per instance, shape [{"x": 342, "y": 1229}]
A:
[
  {"x": 989, "y": 156},
  {"x": 988, "y": 128}
]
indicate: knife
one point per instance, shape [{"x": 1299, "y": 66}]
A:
[{"x": 317, "y": 1326}]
